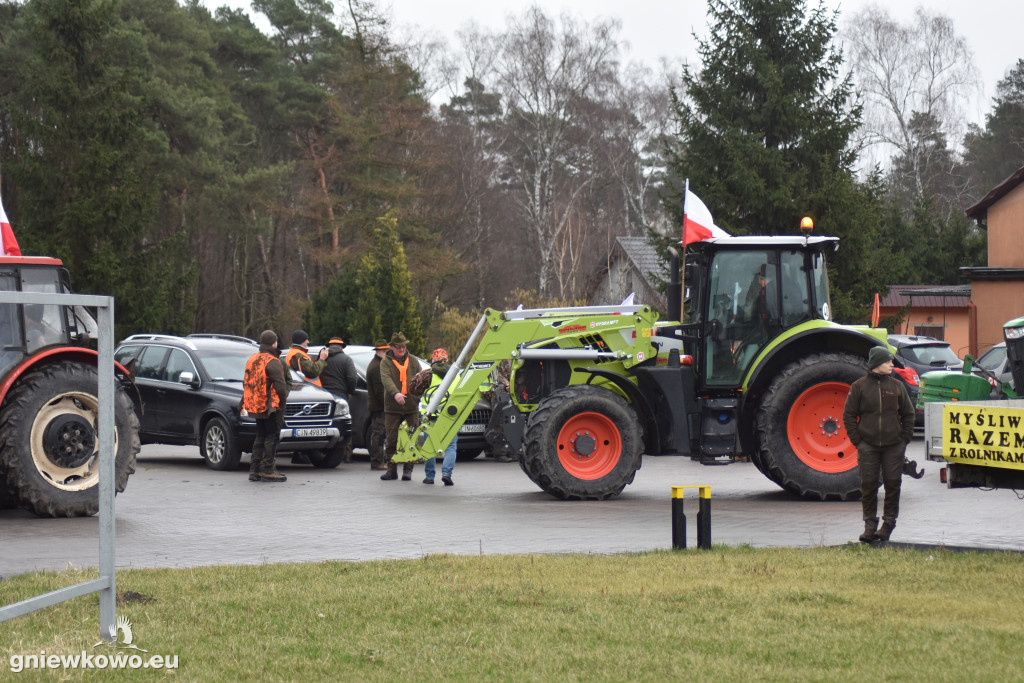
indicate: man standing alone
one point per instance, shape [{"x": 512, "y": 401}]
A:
[
  {"x": 879, "y": 418},
  {"x": 396, "y": 370}
]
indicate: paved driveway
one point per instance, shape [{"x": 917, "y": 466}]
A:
[{"x": 177, "y": 513}]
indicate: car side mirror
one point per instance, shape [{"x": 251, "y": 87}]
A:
[{"x": 189, "y": 379}]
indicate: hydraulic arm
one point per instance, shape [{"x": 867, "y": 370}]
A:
[{"x": 614, "y": 338}]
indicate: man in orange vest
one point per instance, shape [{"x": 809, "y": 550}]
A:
[
  {"x": 396, "y": 370},
  {"x": 264, "y": 395},
  {"x": 298, "y": 359}
]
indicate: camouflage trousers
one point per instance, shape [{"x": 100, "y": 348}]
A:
[
  {"x": 264, "y": 449},
  {"x": 376, "y": 445}
]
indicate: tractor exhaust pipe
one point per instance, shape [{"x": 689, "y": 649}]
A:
[{"x": 674, "y": 295}]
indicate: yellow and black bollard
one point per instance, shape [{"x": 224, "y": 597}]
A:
[{"x": 703, "y": 516}]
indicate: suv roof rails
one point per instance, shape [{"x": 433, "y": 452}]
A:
[
  {"x": 159, "y": 337},
  {"x": 228, "y": 337}
]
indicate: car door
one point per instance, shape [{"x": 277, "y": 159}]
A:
[
  {"x": 181, "y": 403},
  {"x": 148, "y": 362}
]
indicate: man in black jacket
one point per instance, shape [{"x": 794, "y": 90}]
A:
[
  {"x": 879, "y": 417},
  {"x": 339, "y": 377}
]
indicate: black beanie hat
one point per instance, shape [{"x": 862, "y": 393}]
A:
[
  {"x": 878, "y": 355},
  {"x": 299, "y": 336}
]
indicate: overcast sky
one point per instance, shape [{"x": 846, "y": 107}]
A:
[{"x": 663, "y": 28}]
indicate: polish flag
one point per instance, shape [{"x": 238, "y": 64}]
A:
[
  {"x": 697, "y": 222},
  {"x": 10, "y": 244}
]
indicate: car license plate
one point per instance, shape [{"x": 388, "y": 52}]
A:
[
  {"x": 476, "y": 428},
  {"x": 312, "y": 431}
]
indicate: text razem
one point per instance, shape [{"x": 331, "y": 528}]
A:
[{"x": 978, "y": 435}]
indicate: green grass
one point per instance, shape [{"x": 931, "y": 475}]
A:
[{"x": 851, "y": 613}]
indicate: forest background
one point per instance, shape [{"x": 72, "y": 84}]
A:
[{"x": 215, "y": 178}]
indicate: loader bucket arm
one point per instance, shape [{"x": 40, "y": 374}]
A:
[{"x": 568, "y": 333}]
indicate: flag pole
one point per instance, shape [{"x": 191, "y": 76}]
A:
[{"x": 682, "y": 261}]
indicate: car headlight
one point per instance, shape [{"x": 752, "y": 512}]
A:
[{"x": 341, "y": 408}]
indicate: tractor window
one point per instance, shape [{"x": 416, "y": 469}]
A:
[
  {"x": 821, "y": 287},
  {"x": 44, "y": 324},
  {"x": 796, "y": 297},
  {"x": 10, "y": 339},
  {"x": 743, "y": 298}
]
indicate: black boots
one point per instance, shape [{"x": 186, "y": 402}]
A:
[
  {"x": 870, "y": 529},
  {"x": 407, "y": 472},
  {"x": 392, "y": 472}
]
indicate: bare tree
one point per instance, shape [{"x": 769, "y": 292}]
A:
[
  {"x": 909, "y": 73},
  {"x": 547, "y": 75}
]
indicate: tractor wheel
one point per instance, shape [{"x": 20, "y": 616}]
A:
[
  {"x": 218, "y": 445},
  {"x": 49, "y": 440},
  {"x": 803, "y": 445},
  {"x": 582, "y": 443}
]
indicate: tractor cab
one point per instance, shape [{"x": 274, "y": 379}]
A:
[
  {"x": 743, "y": 292},
  {"x": 25, "y": 329}
]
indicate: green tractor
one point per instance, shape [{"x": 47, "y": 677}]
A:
[{"x": 754, "y": 369}]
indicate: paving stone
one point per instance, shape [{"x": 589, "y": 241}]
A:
[{"x": 176, "y": 512}]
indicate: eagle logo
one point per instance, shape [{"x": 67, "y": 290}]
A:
[{"x": 124, "y": 627}]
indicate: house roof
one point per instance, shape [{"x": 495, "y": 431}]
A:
[
  {"x": 927, "y": 296},
  {"x": 979, "y": 211},
  {"x": 644, "y": 256}
]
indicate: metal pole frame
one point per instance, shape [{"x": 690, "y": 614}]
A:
[{"x": 106, "y": 584}]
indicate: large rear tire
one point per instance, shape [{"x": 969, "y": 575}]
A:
[
  {"x": 802, "y": 443},
  {"x": 49, "y": 446},
  {"x": 582, "y": 443}
]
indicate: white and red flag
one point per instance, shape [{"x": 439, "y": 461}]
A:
[
  {"x": 10, "y": 244},
  {"x": 697, "y": 222}
]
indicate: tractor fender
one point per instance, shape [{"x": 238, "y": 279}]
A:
[
  {"x": 75, "y": 353},
  {"x": 812, "y": 337}
]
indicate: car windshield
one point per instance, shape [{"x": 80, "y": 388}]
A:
[
  {"x": 361, "y": 359},
  {"x": 930, "y": 354},
  {"x": 992, "y": 359},
  {"x": 226, "y": 365}
]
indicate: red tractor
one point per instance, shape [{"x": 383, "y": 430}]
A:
[{"x": 49, "y": 455}]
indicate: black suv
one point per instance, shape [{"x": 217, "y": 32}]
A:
[{"x": 190, "y": 389}]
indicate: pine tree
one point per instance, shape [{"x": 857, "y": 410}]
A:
[
  {"x": 765, "y": 132},
  {"x": 386, "y": 303}
]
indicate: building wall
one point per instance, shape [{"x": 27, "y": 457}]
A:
[
  {"x": 997, "y": 302},
  {"x": 1005, "y": 219},
  {"x": 955, "y": 324}
]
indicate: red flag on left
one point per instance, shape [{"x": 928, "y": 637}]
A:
[{"x": 10, "y": 244}]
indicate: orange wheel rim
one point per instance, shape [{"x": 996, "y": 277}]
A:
[
  {"x": 589, "y": 446},
  {"x": 816, "y": 431}
]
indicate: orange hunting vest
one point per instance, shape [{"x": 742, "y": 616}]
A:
[
  {"x": 256, "y": 387},
  {"x": 288, "y": 360}
]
